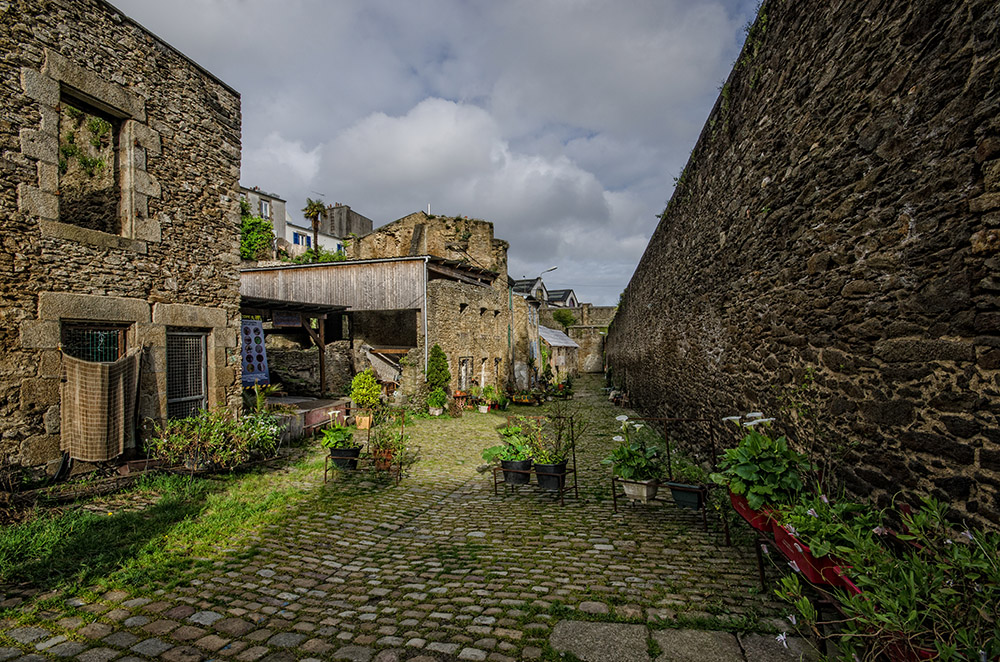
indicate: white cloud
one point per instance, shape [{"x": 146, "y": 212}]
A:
[{"x": 561, "y": 122}]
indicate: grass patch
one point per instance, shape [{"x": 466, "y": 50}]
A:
[{"x": 192, "y": 519}]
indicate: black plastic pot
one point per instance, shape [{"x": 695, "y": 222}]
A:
[
  {"x": 686, "y": 496},
  {"x": 514, "y": 477},
  {"x": 345, "y": 458},
  {"x": 554, "y": 483}
]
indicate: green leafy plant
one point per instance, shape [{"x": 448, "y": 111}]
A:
[
  {"x": 490, "y": 394},
  {"x": 564, "y": 318},
  {"x": 322, "y": 255},
  {"x": 516, "y": 446},
  {"x": 365, "y": 389},
  {"x": 256, "y": 234},
  {"x": 763, "y": 469},
  {"x": 633, "y": 459},
  {"x": 827, "y": 527},
  {"x": 214, "y": 438},
  {"x": 438, "y": 375},
  {"x": 338, "y": 436},
  {"x": 388, "y": 439},
  {"x": 938, "y": 594},
  {"x": 437, "y": 398}
]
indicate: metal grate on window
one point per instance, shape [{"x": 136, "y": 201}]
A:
[
  {"x": 186, "y": 373},
  {"x": 93, "y": 342}
]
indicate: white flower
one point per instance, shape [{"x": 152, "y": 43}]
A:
[
  {"x": 791, "y": 617},
  {"x": 798, "y": 548},
  {"x": 781, "y": 639},
  {"x": 812, "y": 512},
  {"x": 638, "y": 426},
  {"x": 823, "y": 498},
  {"x": 982, "y": 656},
  {"x": 750, "y": 424},
  {"x": 791, "y": 530},
  {"x": 794, "y": 566},
  {"x": 879, "y": 531},
  {"x": 949, "y": 541},
  {"x": 764, "y": 549},
  {"x": 617, "y": 437},
  {"x": 622, "y": 418},
  {"x": 731, "y": 418},
  {"x": 755, "y": 414},
  {"x": 967, "y": 535},
  {"x": 764, "y": 420}
]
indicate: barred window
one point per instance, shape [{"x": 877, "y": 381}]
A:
[
  {"x": 187, "y": 373},
  {"x": 98, "y": 342}
]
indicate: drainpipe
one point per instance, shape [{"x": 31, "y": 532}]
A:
[{"x": 426, "y": 260}]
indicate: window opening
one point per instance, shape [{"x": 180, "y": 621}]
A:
[
  {"x": 265, "y": 209},
  {"x": 88, "y": 169},
  {"x": 464, "y": 373},
  {"x": 187, "y": 372},
  {"x": 102, "y": 343}
]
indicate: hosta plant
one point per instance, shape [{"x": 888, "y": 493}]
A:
[{"x": 763, "y": 469}]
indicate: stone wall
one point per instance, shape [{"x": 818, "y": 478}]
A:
[
  {"x": 837, "y": 228},
  {"x": 173, "y": 260},
  {"x": 589, "y": 332}
]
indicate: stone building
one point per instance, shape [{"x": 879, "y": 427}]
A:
[
  {"x": 561, "y": 351},
  {"x": 834, "y": 240},
  {"x": 416, "y": 282},
  {"x": 119, "y": 168},
  {"x": 473, "y": 324}
]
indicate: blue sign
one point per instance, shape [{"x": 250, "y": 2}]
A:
[{"x": 253, "y": 353}]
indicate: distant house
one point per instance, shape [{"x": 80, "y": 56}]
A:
[
  {"x": 114, "y": 313},
  {"x": 562, "y": 299},
  {"x": 562, "y": 352},
  {"x": 531, "y": 287}
]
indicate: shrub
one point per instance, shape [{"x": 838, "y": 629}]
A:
[
  {"x": 215, "y": 439},
  {"x": 564, "y": 318},
  {"x": 437, "y": 398},
  {"x": 438, "y": 375},
  {"x": 365, "y": 390}
]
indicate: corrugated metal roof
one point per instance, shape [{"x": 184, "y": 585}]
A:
[{"x": 555, "y": 338}]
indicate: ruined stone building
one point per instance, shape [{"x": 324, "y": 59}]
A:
[
  {"x": 588, "y": 332},
  {"x": 415, "y": 282},
  {"x": 834, "y": 240},
  {"x": 119, "y": 166}
]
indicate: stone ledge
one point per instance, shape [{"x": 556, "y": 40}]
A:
[
  {"x": 180, "y": 314},
  {"x": 69, "y": 232},
  {"x": 65, "y": 305}
]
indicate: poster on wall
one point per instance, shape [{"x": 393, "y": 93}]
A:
[{"x": 253, "y": 353}]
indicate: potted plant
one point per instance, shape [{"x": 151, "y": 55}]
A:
[
  {"x": 339, "y": 439},
  {"x": 436, "y": 401},
  {"x": 635, "y": 463},
  {"x": 485, "y": 398},
  {"x": 760, "y": 472},
  {"x": 691, "y": 492},
  {"x": 938, "y": 598},
  {"x": 514, "y": 455},
  {"x": 550, "y": 452},
  {"x": 365, "y": 392},
  {"x": 386, "y": 444}
]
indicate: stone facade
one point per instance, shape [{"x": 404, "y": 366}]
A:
[
  {"x": 838, "y": 227},
  {"x": 473, "y": 324},
  {"x": 171, "y": 152},
  {"x": 589, "y": 332}
]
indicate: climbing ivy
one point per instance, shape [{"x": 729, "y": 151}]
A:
[{"x": 256, "y": 234}]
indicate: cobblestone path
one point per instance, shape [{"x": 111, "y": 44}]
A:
[{"x": 438, "y": 568}]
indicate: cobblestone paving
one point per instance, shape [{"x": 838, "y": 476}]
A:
[{"x": 436, "y": 568}]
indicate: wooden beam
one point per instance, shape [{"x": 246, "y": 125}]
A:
[
  {"x": 322, "y": 357},
  {"x": 455, "y": 273}
]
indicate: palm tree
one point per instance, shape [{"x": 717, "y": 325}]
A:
[{"x": 313, "y": 210}]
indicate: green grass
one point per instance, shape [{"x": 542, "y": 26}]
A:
[{"x": 192, "y": 519}]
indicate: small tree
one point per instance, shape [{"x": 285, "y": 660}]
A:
[
  {"x": 565, "y": 318},
  {"x": 256, "y": 234},
  {"x": 313, "y": 210},
  {"x": 365, "y": 390},
  {"x": 437, "y": 369}
]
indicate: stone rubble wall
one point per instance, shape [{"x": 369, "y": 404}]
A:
[
  {"x": 839, "y": 222},
  {"x": 589, "y": 332},
  {"x": 175, "y": 262}
]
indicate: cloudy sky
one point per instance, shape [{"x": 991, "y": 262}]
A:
[{"x": 562, "y": 121}]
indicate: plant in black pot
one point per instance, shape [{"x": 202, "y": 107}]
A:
[
  {"x": 514, "y": 455},
  {"x": 636, "y": 464},
  {"x": 339, "y": 439},
  {"x": 551, "y": 446},
  {"x": 689, "y": 489}
]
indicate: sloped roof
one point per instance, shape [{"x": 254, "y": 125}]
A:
[
  {"x": 559, "y": 295},
  {"x": 555, "y": 338}
]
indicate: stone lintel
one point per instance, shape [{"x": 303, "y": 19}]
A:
[
  {"x": 65, "y": 305},
  {"x": 108, "y": 96},
  {"x": 180, "y": 314}
]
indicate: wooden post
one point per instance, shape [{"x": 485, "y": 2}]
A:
[{"x": 322, "y": 355}]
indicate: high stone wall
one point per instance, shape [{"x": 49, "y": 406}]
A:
[{"x": 839, "y": 219}]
